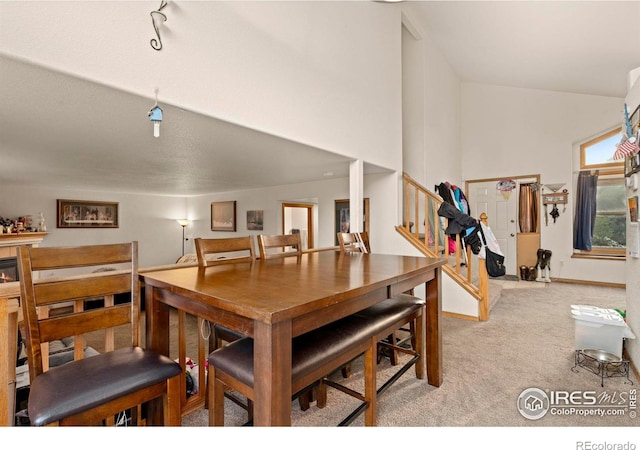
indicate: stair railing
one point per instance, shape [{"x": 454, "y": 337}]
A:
[{"x": 424, "y": 229}]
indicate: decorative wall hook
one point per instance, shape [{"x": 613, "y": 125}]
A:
[
  {"x": 155, "y": 115},
  {"x": 158, "y": 18}
]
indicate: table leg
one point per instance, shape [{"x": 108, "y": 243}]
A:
[
  {"x": 272, "y": 374},
  {"x": 157, "y": 339},
  {"x": 434, "y": 333}
]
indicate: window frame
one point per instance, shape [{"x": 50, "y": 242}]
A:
[{"x": 585, "y": 145}]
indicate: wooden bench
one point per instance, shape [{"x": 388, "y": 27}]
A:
[{"x": 320, "y": 352}]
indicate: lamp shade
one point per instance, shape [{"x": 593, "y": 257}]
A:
[{"x": 183, "y": 222}]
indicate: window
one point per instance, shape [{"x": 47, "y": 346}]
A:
[
  {"x": 598, "y": 152},
  {"x": 609, "y": 231}
]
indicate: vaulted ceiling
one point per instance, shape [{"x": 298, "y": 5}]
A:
[{"x": 573, "y": 46}]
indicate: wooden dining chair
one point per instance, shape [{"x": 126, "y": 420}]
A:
[
  {"x": 216, "y": 251},
  {"x": 354, "y": 242},
  {"x": 359, "y": 243},
  {"x": 279, "y": 246},
  {"x": 96, "y": 389}
]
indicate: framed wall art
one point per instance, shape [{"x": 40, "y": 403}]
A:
[
  {"x": 223, "y": 216},
  {"x": 342, "y": 217},
  {"x": 631, "y": 164},
  {"x": 633, "y": 208},
  {"x": 87, "y": 214},
  {"x": 255, "y": 220}
]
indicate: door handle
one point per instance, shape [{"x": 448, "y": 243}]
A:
[{"x": 512, "y": 235}]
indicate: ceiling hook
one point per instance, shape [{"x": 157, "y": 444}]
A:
[{"x": 156, "y": 16}]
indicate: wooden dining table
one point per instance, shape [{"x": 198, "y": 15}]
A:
[{"x": 273, "y": 301}]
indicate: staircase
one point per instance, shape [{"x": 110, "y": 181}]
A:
[{"x": 424, "y": 229}]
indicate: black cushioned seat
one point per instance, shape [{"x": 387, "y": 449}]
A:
[
  {"x": 226, "y": 334},
  {"x": 309, "y": 350},
  {"x": 59, "y": 392},
  {"x": 392, "y": 309}
]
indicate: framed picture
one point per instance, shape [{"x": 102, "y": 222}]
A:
[
  {"x": 87, "y": 214},
  {"x": 631, "y": 164},
  {"x": 633, "y": 209},
  {"x": 255, "y": 220},
  {"x": 223, "y": 216},
  {"x": 342, "y": 217}
]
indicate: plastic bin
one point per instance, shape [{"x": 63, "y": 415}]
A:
[{"x": 599, "y": 329}]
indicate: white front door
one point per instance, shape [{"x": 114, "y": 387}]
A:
[{"x": 502, "y": 216}]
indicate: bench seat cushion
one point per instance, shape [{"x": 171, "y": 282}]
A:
[{"x": 326, "y": 343}]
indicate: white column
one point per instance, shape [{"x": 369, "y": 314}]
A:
[{"x": 356, "y": 196}]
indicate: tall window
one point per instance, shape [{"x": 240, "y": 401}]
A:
[{"x": 608, "y": 233}]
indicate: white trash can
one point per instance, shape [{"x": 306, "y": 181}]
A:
[{"x": 599, "y": 329}]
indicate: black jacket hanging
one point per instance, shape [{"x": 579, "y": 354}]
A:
[{"x": 458, "y": 221}]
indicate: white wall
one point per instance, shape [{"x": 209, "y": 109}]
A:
[
  {"x": 432, "y": 110},
  {"x": 443, "y": 103},
  {"x": 151, "y": 220},
  {"x": 325, "y": 74},
  {"x": 509, "y": 132}
]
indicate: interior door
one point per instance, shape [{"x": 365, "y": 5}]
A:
[
  {"x": 502, "y": 216},
  {"x": 298, "y": 218}
]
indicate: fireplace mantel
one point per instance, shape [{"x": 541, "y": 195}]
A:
[{"x": 13, "y": 239}]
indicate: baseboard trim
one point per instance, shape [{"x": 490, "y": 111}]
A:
[
  {"x": 591, "y": 283},
  {"x": 460, "y": 316}
]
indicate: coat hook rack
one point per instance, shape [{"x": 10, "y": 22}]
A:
[{"x": 157, "y": 18}]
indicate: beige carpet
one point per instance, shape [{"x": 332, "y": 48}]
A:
[{"x": 528, "y": 342}]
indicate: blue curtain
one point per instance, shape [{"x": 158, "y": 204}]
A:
[{"x": 585, "y": 218}]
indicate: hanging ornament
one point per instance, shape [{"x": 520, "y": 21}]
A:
[{"x": 155, "y": 115}]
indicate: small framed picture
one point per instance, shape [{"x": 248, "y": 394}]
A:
[
  {"x": 633, "y": 209},
  {"x": 223, "y": 216},
  {"x": 631, "y": 164},
  {"x": 87, "y": 214},
  {"x": 255, "y": 220},
  {"x": 342, "y": 217}
]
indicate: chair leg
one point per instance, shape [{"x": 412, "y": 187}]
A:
[
  {"x": 171, "y": 403},
  {"x": 393, "y": 355},
  {"x": 370, "y": 395},
  {"x": 420, "y": 344},
  {"x": 216, "y": 400},
  {"x": 412, "y": 330},
  {"x": 321, "y": 394},
  {"x": 304, "y": 400},
  {"x": 250, "y": 410},
  {"x": 346, "y": 370}
]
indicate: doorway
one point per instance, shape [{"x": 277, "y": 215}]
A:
[
  {"x": 298, "y": 218},
  {"x": 502, "y": 208}
]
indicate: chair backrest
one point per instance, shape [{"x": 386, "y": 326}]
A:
[
  {"x": 279, "y": 246},
  {"x": 354, "y": 242},
  {"x": 76, "y": 280},
  {"x": 189, "y": 258},
  {"x": 216, "y": 251}
]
